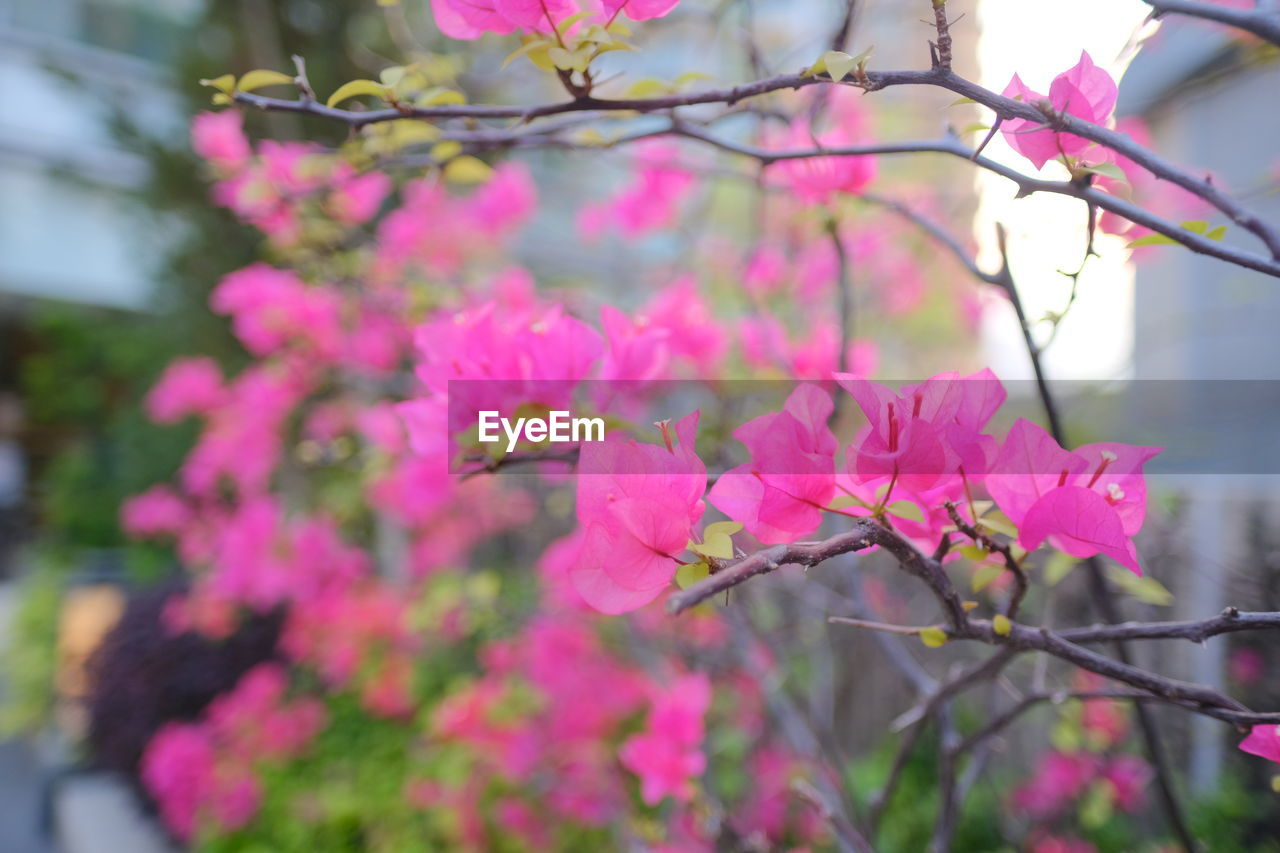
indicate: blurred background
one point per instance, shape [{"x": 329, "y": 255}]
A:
[{"x": 109, "y": 248}]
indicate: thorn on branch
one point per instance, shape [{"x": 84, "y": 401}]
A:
[
  {"x": 304, "y": 84},
  {"x": 940, "y": 50},
  {"x": 995, "y": 126}
]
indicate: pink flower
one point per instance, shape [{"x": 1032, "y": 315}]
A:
[
  {"x": 780, "y": 495},
  {"x": 691, "y": 331},
  {"x": 900, "y": 443},
  {"x": 1058, "y": 780},
  {"x": 272, "y": 309},
  {"x": 1246, "y": 665},
  {"x": 648, "y": 203},
  {"x": 1128, "y": 775},
  {"x": 1264, "y": 741},
  {"x": 188, "y": 386},
  {"x": 355, "y": 200},
  {"x": 1142, "y": 187},
  {"x": 157, "y": 511},
  {"x": 635, "y": 350},
  {"x": 1085, "y": 503},
  {"x": 470, "y": 19},
  {"x": 667, "y": 754},
  {"x": 638, "y": 504},
  {"x": 1084, "y": 91},
  {"x": 181, "y": 769},
  {"x": 639, "y": 10},
  {"x": 219, "y": 138},
  {"x": 814, "y": 180}
]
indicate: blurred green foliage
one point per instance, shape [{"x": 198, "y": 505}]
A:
[
  {"x": 86, "y": 374},
  {"x": 30, "y": 657}
]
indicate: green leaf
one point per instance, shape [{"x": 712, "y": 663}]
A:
[
  {"x": 565, "y": 25},
  {"x": 1096, "y": 807},
  {"x": 837, "y": 64},
  {"x": 1146, "y": 589},
  {"x": 958, "y": 101},
  {"x": 225, "y": 84},
  {"x": 975, "y": 128},
  {"x": 1217, "y": 233},
  {"x": 467, "y": 170},
  {"x": 446, "y": 150},
  {"x": 690, "y": 573},
  {"x": 260, "y": 77},
  {"x": 1001, "y": 625},
  {"x": 392, "y": 75},
  {"x": 529, "y": 47},
  {"x": 1058, "y": 567},
  {"x": 983, "y": 577},
  {"x": 717, "y": 541},
  {"x": 439, "y": 96},
  {"x": 649, "y": 87},
  {"x": 934, "y": 638},
  {"x": 973, "y": 552},
  {"x": 842, "y": 501},
  {"x": 1110, "y": 170},
  {"x": 570, "y": 60},
  {"x": 998, "y": 522},
  {"x": 353, "y": 88},
  {"x": 690, "y": 77},
  {"x": 1151, "y": 240},
  {"x": 1196, "y": 226},
  {"x": 907, "y": 510}
]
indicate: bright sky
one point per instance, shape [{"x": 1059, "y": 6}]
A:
[{"x": 1038, "y": 39}]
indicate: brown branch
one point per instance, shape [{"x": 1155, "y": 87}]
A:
[
  {"x": 1229, "y": 621},
  {"x": 942, "y": 47},
  {"x": 987, "y": 543},
  {"x": 1262, "y": 22},
  {"x": 1005, "y": 108}
]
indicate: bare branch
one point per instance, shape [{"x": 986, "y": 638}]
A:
[{"x": 1262, "y": 21}]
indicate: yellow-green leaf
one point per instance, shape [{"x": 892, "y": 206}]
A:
[
  {"x": 690, "y": 77},
  {"x": 529, "y": 46},
  {"x": 1001, "y": 625},
  {"x": 842, "y": 501},
  {"x": 907, "y": 510},
  {"x": 1058, "y": 566},
  {"x": 467, "y": 170},
  {"x": 1110, "y": 170},
  {"x": 717, "y": 540},
  {"x": 983, "y": 577},
  {"x": 1146, "y": 589},
  {"x": 1151, "y": 240},
  {"x": 837, "y": 64},
  {"x": 649, "y": 87},
  {"x": 1217, "y": 233},
  {"x": 439, "y": 96},
  {"x": 354, "y": 88},
  {"x": 446, "y": 150},
  {"x": 973, "y": 552},
  {"x": 260, "y": 77},
  {"x": 690, "y": 573},
  {"x": 392, "y": 75},
  {"x": 933, "y": 637},
  {"x": 565, "y": 25},
  {"x": 998, "y": 522},
  {"x": 225, "y": 84}
]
